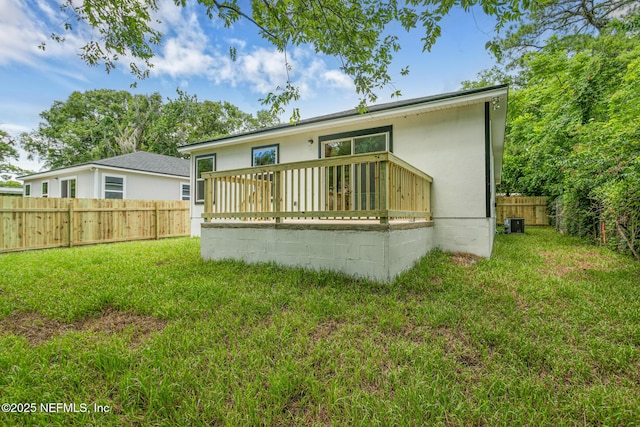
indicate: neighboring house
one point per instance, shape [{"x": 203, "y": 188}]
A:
[
  {"x": 10, "y": 191},
  {"x": 138, "y": 175},
  {"x": 367, "y": 194}
]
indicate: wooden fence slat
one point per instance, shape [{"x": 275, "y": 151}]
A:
[
  {"x": 534, "y": 210},
  {"x": 36, "y": 223}
]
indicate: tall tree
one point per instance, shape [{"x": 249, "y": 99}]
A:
[
  {"x": 570, "y": 20},
  {"x": 8, "y": 153},
  {"x": 87, "y": 126},
  {"x": 573, "y": 131},
  {"x": 102, "y": 123},
  {"x": 355, "y": 31}
]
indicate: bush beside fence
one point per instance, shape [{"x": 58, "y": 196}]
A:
[{"x": 38, "y": 223}]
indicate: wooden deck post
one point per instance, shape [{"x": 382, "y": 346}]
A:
[
  {"x": 384, "y": 191},
  {"x": 277, "y": 194},
  {"x": 208, "y": 205}
]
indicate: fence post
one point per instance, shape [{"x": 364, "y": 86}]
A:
[
  {"x": 71, "y": 215},
  {"x": 157, "y": 222}
]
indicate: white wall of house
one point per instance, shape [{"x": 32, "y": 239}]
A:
[
  {"x": 149, "y": 187},
  {"x": 447, "y": 144},
  {"x": 90, "y": 184}
]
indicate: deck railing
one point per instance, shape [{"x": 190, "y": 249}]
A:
[{"x": 363, "y": 186}]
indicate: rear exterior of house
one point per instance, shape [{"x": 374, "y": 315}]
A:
[
  {"x": 140, "y": 175},
  {"x": 424, "y": 167}
]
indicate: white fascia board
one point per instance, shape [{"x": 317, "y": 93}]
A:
[
  {"x": 390, "y": 113},
  {"x": 71, "y": 170}
]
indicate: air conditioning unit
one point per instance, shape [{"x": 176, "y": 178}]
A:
[{"x": 513, "y": 225}]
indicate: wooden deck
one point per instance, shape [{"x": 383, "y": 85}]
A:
[{"x": 378, "y": 186}]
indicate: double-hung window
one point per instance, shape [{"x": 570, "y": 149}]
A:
[
  {"x": 185, "y": 191},
  {"x": 114, "y": 187},
  {"x": 45, "y": 189},
  {"x": 27, "y": 190},
  {"x": 68, "y": 188},
  {"x": 204, "y": 164}
]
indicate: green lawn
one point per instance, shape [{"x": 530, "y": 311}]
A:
[{"x": 547, "y": 332}]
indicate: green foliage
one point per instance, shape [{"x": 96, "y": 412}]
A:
[
  {"x": 8, "y": 153},
  {"x": 10, "y": 184},
  {"x": 571, "y": 20},
  {"x": 573, "y": 131},
  {"x": 355, "y": 32},
  {"x": 102, "y": 123}
]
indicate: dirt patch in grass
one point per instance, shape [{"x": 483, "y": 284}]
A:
[
  {"x": 464, "y": 259},
  {"x": 325, "y": 329},
  {"x": 562, "y": 264},
  {"x": 458, "y": 346},
  {"x": 33, "y": 326},
  {"x": 38, "y": 329},
  {"x": 114, "y": 321}
]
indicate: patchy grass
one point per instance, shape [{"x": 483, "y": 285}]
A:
[{"x": 546, "y": 332}]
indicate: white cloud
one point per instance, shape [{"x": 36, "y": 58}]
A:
[
  {"x": 237, "y": 43},
  {"x": 184, "y": 52},
  {"x": 187, "y": 50},
  {"x": 14, "y": 129},
  {"x": 337, "y": 79},
  {"x": 168, "y": 14},
  {"x": 263, "y": 69},
  {"x": 46, "y": 8},
  {"x": 179, "y": 58},
  {"x": 19, "y": 34},
  {"x": 23, "y": 29},
  {"x": 190, "y": 52}
]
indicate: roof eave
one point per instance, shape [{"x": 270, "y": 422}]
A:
[
  {"x": 88, "y": 166},
  {"x": 419, "y": 105}
]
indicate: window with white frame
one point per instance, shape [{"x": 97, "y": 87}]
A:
[
  {"x": 113, "y": 187},
  {"x": 27, "y": 190},
  {"x": 185, "y": 191},
  {"x": 68, "y": 188},
  {"x": 203, "y": 164},
  {"x": 45, "y": 189}
]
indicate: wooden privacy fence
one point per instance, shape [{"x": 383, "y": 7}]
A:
[
  {"x": 38, "y": 223},
  {"x": 534, "y": 210}
]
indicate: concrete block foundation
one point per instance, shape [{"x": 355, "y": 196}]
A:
[{"x": 372, "y": 250}]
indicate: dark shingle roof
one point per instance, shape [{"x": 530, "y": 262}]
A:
[
  {"x": 138, "y": 161},
  {"x": 148, "y": 162}
]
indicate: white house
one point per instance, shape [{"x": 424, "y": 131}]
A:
[
  {"x": 138, "y": 175},
  {"x": 10, "y": 191},
  {"x": 367, "y": 194}
]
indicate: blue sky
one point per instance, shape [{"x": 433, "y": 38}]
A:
[{"x": 194, "y": 57}]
